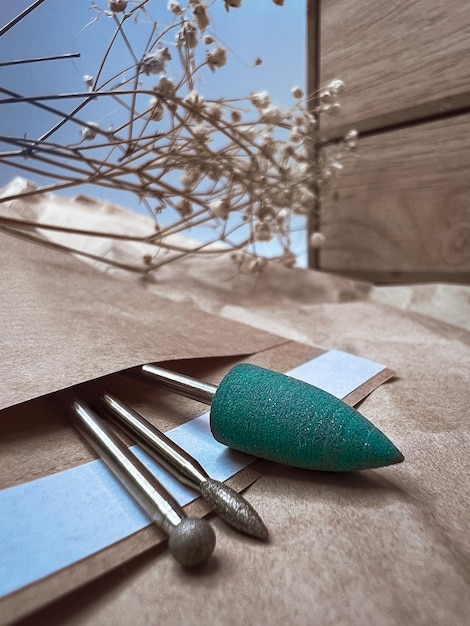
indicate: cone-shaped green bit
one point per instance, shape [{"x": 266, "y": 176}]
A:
[
  {"x": 279, "y": 418},
  {"x": 276, "y": 417}
]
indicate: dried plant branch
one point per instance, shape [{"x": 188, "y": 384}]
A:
[
  {"x": 20, "y": 16},
  {"x": 55, "y": 57},
  {"x": 241, "y": 167}
]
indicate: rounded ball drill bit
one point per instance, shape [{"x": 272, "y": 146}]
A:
[
  {"x": 281, "y": 419},
  {"x": 191, "y": 540},
  {"x": 224, "y": 501}
]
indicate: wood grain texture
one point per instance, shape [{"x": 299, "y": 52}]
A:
[
  {"x": 394, "y": 55},
  {"x": 404, "y": 206}
]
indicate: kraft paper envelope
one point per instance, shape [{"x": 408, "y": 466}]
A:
[
  {"x": 388, "y": 546},
  {"x": 69, "y": 331},
  {"x": 63, "y": 323},
  {"x": 83, "y": 324}
]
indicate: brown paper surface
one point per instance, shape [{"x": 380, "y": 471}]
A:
[
  {"x": 36, "y": 440},
  {"x": 63, "y": 322},
  {"x": 389, "y": 546}
]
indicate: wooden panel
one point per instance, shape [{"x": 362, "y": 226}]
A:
[
  {"x": 404, "y": 206},
  {"x": 394, "y": 55}
]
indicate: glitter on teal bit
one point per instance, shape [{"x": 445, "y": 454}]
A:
[{"x": 288, "y": 421}]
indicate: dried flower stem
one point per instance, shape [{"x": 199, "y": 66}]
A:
[{"x": 241, "y": 166}]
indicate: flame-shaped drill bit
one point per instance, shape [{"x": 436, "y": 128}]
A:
[
  {"x": 191, "y": 540},
  {"x": 225, "y": 502}
]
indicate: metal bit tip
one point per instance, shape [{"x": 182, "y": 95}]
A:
[
  {"x": 233, "y": 508},
  {"x": 226, "y": 502},
  {"x": 192, "y": 541}
]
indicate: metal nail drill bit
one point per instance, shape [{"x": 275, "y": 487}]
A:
[
  {"x": 226, "y": 502},
  {"x": 279, "y": 418},
  {"x": 191, "y": 540}
]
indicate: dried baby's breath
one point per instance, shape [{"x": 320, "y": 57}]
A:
[{"x": 242, "y": 166}]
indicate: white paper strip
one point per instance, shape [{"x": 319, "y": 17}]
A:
[{"x": 50, "y": 523}]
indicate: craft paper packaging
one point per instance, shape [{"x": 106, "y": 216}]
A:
[
  {"x": 42, "y": 443},
  {"x": 386, "y": 546},
  {"x": 85, "y": 326}
]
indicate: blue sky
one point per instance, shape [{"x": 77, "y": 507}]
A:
[{"x": 258, "y": 29}]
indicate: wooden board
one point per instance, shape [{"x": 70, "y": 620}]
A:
[
  {"x": 404, "y": 206},
  {"x": 394, "y": 55}
]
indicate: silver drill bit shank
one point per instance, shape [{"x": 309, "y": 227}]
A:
[
  {"x": 181, "y": 384},
  {"x": 226, "y": 502},
  {"x": 191, "y": 540}
]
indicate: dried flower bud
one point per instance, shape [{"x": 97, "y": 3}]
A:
[
  {"x": 174, "y": 7},
  {"x": 248, "y": 132},
  {"x": 300, "y": 154},
  {"x": 236, "y": 117},
  {"x": 172, "y": 107},
  {"x": 220, "y": 208},
  {"x": 272, "y": 115},
  {"x": 283, "y": 197},
  {"x": 216, "y": 57},
  {"x": 201, "y": 132},
  {"x": 195, "y": 102},
  {"x": 280, "y": 3},
  {"x": 154, "y": 63},
  {"x": 88, "y": 133},
  {"x": 332, "y": 109},
  {"x": 288, "y": 151},
  {"x": 297, "y": 92},
  {"x": 184, "y": 208},
  {"x": 208, "y": 39},
  {"x": 260, "y": 99},
  {"x": 165, "y": 86},
  {"x": 310, "y": 121},
  {"x": 307, "y": 198},
  {"x": 88, "y": 81},
  {"x": 117, "y": 6},
  {"x": 147, "y": 259},
  {"x": 263, "y": 231},
  {"x": 295, "y": 135},
  {"x": 214, "y": 111},
  {"x": 187, "y": 35},
  {"x": 268, "y": 145},
  {"x": 302, "y": 169},
  {"x": 200, "y": 16},
  {"x": 232, "y": 4},
  {"x": 194, "y": 99},
  {"x": 326, "y": 96},
  {"x": 336, "y": 86},
  {"x": 156, "y": 109},
  {"x": 214, "y": 171},
  {"x": 317, "y": 240},
  {"x": 264, "y": 211},
  {"x": 190, "y": 178},
  {"x": 351, "y": 138},
  {"x": 282, "y": 215}
]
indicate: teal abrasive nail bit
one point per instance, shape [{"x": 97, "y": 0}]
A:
[
  {"x": 281, "y": 419},
  {"x": 225, "y": 502}
]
